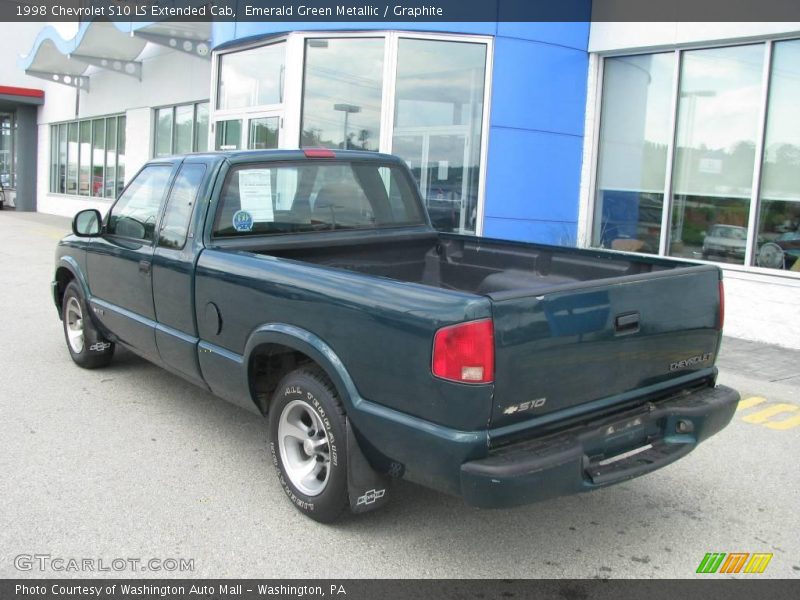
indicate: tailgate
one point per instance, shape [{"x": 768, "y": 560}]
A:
[{"x": 599, "y": 339}]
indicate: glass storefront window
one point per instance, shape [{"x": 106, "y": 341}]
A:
[
  {"x": 634, "y": 136},
  {"x": 184, "y": 121},
  {"x": 72, "y": 158},
  {"x": 61, "y": 178},
  {"x": 439, "y": 95},
  {"x": 109, "y": 191},
  {"x": 779, "y": 217},
  {"x": 434, "y": 119},
  {"x": 53, "y": 157},
  {"x": 342, "y": 89},
  {"x": 263, "y": 133},
  {"x": 84, "y": 158},
  {"x": 722, "y": 112},
  {"x": 121, "y": 123},
  {"x": 98, "y": 155},
  {"x": 251, "y": 77},
  {"x": 718, "y": 114},
  {"x": 201, "y": 127},
  {"x": 229, "y": 134},
  {"x": 181, "y": 129},
  {"x": 163, "y": 142},
  {"x": 7, "y": 161}
]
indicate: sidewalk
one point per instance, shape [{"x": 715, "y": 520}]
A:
[{"x": 762, "y": 361}]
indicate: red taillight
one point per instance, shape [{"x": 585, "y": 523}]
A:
[
  {"x": 721, "y": 304},
  {"x": 318, "y": 153},
  {"x": 465, "y": 352}
]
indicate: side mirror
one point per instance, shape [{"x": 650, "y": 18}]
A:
[{"x": 87, "y": 223}]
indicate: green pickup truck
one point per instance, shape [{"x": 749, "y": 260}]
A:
[{"x": 309, "y": 287}]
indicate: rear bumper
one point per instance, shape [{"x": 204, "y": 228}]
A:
[{"x": 577, "y": 460}]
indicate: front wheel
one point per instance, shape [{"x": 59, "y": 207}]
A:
[
  {"x": 87, "y": 346},
  {"x": 308, "y": 444}
]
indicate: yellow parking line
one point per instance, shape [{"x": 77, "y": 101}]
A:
[
  {"x": 765, "y": 414},
  {"x": 53, "y": 233},
  {"x": 785, "y": 424},
  {"x": 750, "y": 402}
]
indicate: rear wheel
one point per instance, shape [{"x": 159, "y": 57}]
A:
[
  {"x": 307, "y": 442},
  {"x": 87, "y": 346}
]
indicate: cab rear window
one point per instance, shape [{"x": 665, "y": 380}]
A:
[{"x": 280, "y": 198}]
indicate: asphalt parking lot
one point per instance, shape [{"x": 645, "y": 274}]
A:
[{"x": 132, "y": 462}]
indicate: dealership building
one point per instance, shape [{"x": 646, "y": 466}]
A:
[{"x": 671, "y": 139}]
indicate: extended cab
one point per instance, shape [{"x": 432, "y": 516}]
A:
[{"x": 310, "y": 287}]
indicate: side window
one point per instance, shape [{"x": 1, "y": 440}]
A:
[
  {"x": 175, "y": 225},
  {"x": 135, "y": 213}
]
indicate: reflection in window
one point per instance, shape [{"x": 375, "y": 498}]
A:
[
  {"x": 718, "y": 116},
  {"x": 53, "y": 157},
  {"x": 201, "y": 127},
  {"x": 265, "y": 198},
  {"x": 121, "y": 123},
  {"x": 184, "y": 117},
  {"x": 163, "y": 145},
  {"x": 181, "y": 129},
  {"x": 342, "y": 86},
  {"x": 7, "y": 150},
  {"x": 85, "y": 157},
  {"x": 634, "y": 134},
  {"x": 134, "y": 215},
  {"x": 175, "y": 224},
  {"x": 72, "y": 158},
  {"x": 438, "y": 119},
  {"x": 229, "y": 134},
  {"x": 263, "y": 133},
  {"x": 779, "y": 218},
  {"x": 98, "y": 155},
  {"x": 251, "y": 77},
  {"x": 61, "y": 181},
  {"x": 111, "y": 158}
]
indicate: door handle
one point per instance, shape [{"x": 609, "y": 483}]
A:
[
  {"x": 144, "y": 267},
  {"x": 627, "y": 323}
]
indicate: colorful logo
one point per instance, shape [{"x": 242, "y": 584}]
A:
[
  {"x": 735, "y": 562},
  {"x": 242, "y": 220}
]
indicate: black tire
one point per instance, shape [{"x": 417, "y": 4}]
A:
[
  {"x": 307, "y": 393},
  {"x": 92, "y": 350}
]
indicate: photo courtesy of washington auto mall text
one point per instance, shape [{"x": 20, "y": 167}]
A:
[
  {"x": 398, "y": 299},
  {"x": 133, "y": 589}
]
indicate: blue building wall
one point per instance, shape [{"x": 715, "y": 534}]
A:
[
  {"x": 536, "y": 131},
  {"x": 536, "y": 121}
]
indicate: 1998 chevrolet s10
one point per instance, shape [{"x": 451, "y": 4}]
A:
[{"x": 310, "y": 287}]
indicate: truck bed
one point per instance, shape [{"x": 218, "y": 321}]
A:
[
  {"x": 563, "y": 317},
  {"x": 474, "y": 265}
]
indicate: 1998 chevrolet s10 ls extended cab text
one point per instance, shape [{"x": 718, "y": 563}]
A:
[{"x": 309, "y": 287}]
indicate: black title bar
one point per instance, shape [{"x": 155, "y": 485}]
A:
[
  {"x": 401, "y": 11},
  {"x": 359, "y": 589}
]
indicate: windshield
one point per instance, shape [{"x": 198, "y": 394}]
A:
[{"x": 276, "y": 198}]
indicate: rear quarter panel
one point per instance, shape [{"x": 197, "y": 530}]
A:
[{"x": 381, "y": 330}]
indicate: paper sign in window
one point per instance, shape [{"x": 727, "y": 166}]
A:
[{"x": 255, "y": 194}]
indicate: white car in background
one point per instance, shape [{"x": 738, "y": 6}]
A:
[{"x": 725, "y": 240}]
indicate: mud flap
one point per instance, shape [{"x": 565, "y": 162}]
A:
[{"x": 366, "y": 488}]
